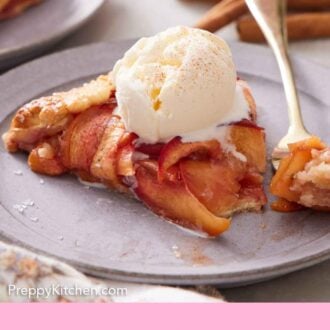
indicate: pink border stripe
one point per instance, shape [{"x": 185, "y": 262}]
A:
[{"x": 164, "y": 316}]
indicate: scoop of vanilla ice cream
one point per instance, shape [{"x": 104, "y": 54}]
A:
[{"x": 179, "y": 81}]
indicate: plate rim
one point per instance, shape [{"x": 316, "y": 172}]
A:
[
  {"x": 43, "y": 43},
  {"x": 225, "y": 280}
]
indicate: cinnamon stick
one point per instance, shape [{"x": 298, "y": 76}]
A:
[
  {"x": 308, "y": 4},
  {"x": 227, "y": 11},
  {"x": 300, "y": 26},
  {"x": 222, "y": 14}
]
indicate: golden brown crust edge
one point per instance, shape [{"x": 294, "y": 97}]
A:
[{"x": 51, "y": 114}]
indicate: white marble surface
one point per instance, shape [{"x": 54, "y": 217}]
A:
[{"x": 127, "y": 19}]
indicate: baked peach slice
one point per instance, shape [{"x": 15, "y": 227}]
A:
[
  {"x": 126, "y": 149},
  {"x": 175, "y": 150},
  {"x": 249, "y": 139},
  {"x": 172, "y": 200},
  {"x": 77, "y": 145},
  {"x": 104, "y": 165},
  {"x": 283, "y": 205},
  {"x": 223, "y": 186},
  {"x": 81, "y": 139},
  {"x": 152, "y": 150}
]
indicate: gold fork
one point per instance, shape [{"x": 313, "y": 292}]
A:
[{"x": 270, "y": 16}]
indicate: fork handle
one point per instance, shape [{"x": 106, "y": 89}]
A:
[{"x": 270, "y": 15}]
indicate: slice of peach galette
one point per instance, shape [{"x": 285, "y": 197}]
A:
[{"x": 171, "y": 125}]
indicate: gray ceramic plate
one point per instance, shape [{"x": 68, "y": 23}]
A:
[
  {"x": 40, "y": 27},
  {"x": 107, "y": 234}
]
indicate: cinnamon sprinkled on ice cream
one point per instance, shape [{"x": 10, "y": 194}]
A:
[{"x": 177, "y": 82}]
